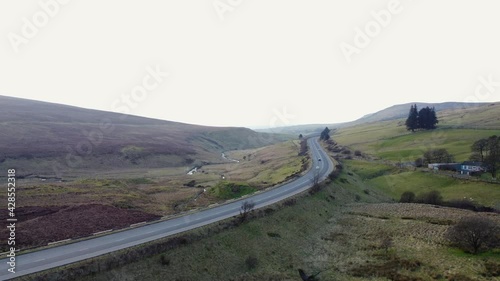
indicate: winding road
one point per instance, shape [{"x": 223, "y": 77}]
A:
[{"x": 81, "y": 250}]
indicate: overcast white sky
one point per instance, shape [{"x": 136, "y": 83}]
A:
[{"x": 252, "y": 63}]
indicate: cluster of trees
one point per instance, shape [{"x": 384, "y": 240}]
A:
[
  {"x": 424, "y": 119},
  {"x": 439, "y": 155},
  {"x": 303, "y": 147},
  {"x": 434, "y": 197},
  {"x": 431, "y": 197},
  {"x": 325, "y": 134},
  {"x": 487, "y": 151}
]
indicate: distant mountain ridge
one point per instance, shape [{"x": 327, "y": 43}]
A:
[
  {"x": 391, "y": 113},
  {"x": 401, "y": 111}
]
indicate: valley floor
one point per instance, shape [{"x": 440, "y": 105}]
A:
[
  {"x": 54, "y": 211},
  {"x": 339, "y": 233}
]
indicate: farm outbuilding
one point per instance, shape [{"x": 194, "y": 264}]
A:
[
  {"x": 469, "y": 168},
  {"x": 464, "y": 168}
]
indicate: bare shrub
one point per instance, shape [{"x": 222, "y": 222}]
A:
[
  {"x": 474, "y": 234},
  {"x": 245, "y": 209},
  {"x": 290, "y": 202},
  {"x": 386, "y": 242},
  {"x": 492, "y": 269},
  {"x": 273, "y": 235},
  {"x": 251, "y": 262},
  {"x": 191, "y": 183},
  {"x": 432, "y": 197},
  {"x": 346, "y": 151},
  {"x": 315, "y": 188},
  {"x": 390, "y": 269},
  {"x": 164, "y": 260},
  {"x": 459, "y": 277},
  {"x": 407, "y": 197},
  {"x": 336, "y": 172},
  {"x": 462, "y": 204},
  {"x": 419, "y": 162},
  {"x": 303, "y": 147}
]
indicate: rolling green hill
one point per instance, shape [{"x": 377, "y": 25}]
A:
[
  {"x": 386, "y": 143},
  {"x": 401, "y": 110},
  {"x": 388, "y": 114},
  {"x": 43, "y": 138},
  {"x": 457, "y": 130}
]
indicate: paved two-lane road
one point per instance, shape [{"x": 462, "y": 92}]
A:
[{"x": 57, "y": 256}]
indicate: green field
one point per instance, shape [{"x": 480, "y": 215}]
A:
[
  {"x": 394, "y": 182},
  {"x": 230, "y": 190},
  {"x": 412, "y": 146},
  {"x": 369, "y": 170},
  {"x": 388, "y": 141},
  {"x": 456, "y": 131}
]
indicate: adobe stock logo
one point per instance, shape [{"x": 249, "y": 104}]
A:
[
  {"x": 224, "y": 6},
  {"x": 484, "y": 90},
  {"x": 282, "y": 116},
  {"x": 363, "y": 37},
  {"x": 30, "y": 28}
]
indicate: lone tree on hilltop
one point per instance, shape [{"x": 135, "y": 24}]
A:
[
  {"x": 325, "y": 134},
  {"x": 412, "y": 121}
]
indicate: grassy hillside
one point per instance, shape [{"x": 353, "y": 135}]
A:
[
  {"x": 392, "y": 113},
  {"x": 164, "y": 191},
  {"x": 262, "y": 166},
  {"x": 401, "y": 110},
  {"x": 457, "y": 130},
  {"x": 130, "y": 196},
  {"x": 393, "y": 182},
  {"x": 387, "y": 143},
  {"x": 68, "y": 158},
  {"x": 36, "y": 136}
]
